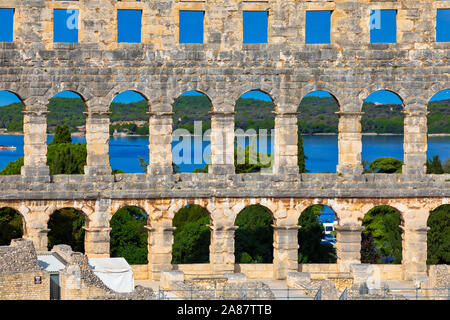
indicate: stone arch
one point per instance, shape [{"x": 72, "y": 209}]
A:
[
  {"x": 334, "y": 91},
  {"x": 367, "y": 91},
  {"x": 121, "y": 88},
  {"x": 197, "y": 87},
  {"x": 436, "y": 88},
  {"x": 82, "y": 91},
  {"x": 263, "y": 87}
]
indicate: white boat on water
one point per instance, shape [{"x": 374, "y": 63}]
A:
[{"x": 2, "y": 147}]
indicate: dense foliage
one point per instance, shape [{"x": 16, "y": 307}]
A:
[
  {"x": 128, "y": 235},
  {"x": 254, "y": 236},
  {"x": 383, "y": 224},
  {"x": 438, "y": 236},
  {"x": 10, "y": 226},
  {"x": 385, "y": 165},
  {"x": 191, "y": 236},
  {"x": 66, "y": 227}
]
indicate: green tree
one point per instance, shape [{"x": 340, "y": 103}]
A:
[
  {"x": 386, "y": 165},
  {"x": 434, "y": 165},
  {"x": 62, "y": 135},
  {"x": 254, "y": 236},
  {"x": 310, "y": 236},
  {"x": 191, "y": 236},
  {"x": 369, "y": 253},
  {"x": 438, "y": 236},
  {"x": 10, "y": 226},
  {"x": 13, "y": 168},
  {"x": 129, "y": 236},
  {"x": 301, "y": 155},
  {"x": 383, "y": 223},
  {"x": 66, "y": 227},
  {"x": 66, "y": 158}
]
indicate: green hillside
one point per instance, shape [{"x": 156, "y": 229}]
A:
[{"x": 317, "y": 115}]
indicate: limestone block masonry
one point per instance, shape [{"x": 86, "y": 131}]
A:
[{"x": 350, "y": 68}]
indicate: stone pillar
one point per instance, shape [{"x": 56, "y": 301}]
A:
[
  {"x": 350, "y": 143},
  {"x": 97, "y": 242},
  {"x": 160, "y": 146},
  {"x": 160, "y": 241},
  {"x": 285, "y": 250},
  {"x": 415, "y": 143},
  {"x": 222, "y": 143},
  {"x": 97, "y": 139},
  {"x": 348, "y": 245},
  {"x": 221, "y": 249},
  {"x": 35, "y": 145},
  {"x": 414, "y": 253},
  {"x": 285, "y": 146},
  {"x": 35, "y": 229}
]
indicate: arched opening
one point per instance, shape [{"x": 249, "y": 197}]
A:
[
  {"x": 191, "y": 132},
  {"x": 192, "y": 236},
  {"x": 254, "y": 125},
  {"x": 66, "y": 126},
  {"x": 128, "y": 236},
  {"x": 381, "y": 240},
  {"x": 254, "y": 236},
  {"x": 11, "y": 226},
  {"x": 382, "y": 128},
  {"x": 317, "y": 236},
  {"x": 318, "y": 128},
  {"x": 66, "y": 227},
  {"x": 438, "y": 235},
  {"x": 129, "y": 129},
  {"x": 438, "y": 124},
  {"x": 11, "y": 133}
]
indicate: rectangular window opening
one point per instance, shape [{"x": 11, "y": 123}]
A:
[
  {"x": 318, "y": 27},
  {"x": 65, "y": 25},
  {"x": 6, "y": 25},
  {"x": 255, "y": 26},
  {"x": 191, "y": 26},
  {"x": 443, "y": 25},
  {"x": 383, "y": 26},
  {"x": 129, "y": 26}
]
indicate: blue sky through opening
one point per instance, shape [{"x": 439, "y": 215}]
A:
[
  {"x": 6, "y": 25},
  {"x": 65, "y": 25},
  {"x": 191, "y": 26},
  {"x": 443, "y": 25},
  {"x": 255, "y": 26},
  {"x": 129, "y": 26},
  {"x": 317, "y": 27},
  {"x": 383, "y": 26}
]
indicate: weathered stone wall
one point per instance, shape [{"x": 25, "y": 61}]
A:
[
  {"x": 18, "y": 268},
  {"x": 350, "y": 68}
]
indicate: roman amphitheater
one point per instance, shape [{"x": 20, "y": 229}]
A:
[{"x": 98, "y": 68}]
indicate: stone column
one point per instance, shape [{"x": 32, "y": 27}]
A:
[
  {"x": 160, "y": 241},
  {"x": 348, "y": 245},
  {"x": 415, "y": 143},
  {"x": 222, "y": 143},
  {"x": 35, "y": 229},
  {"x": 285, "y": 250},
  {"x": 285, "y": 146},
  {"x": 350, "y": 143},
  {"x": 414, "y": 253},
  {"x": 160, "y": 146},
  {"x": 97, "y": 242},
  {"x": 221, "y": 249},
  {"x": 97, "y": 139},
  {"x": 35, "y": 145}
]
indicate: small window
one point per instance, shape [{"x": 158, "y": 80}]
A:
[
  {"x": 255, "y": 26},
  {"x": 443, "y": 25},
  {"x": 129, "y": 26},
  {"x": 191, "y": 26},
  {"x": 65, "y": 25},
  {"x": 6, "y": 25},
  {"x": 318, "y": 25},
  {"x": 383, "y": 26}
]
